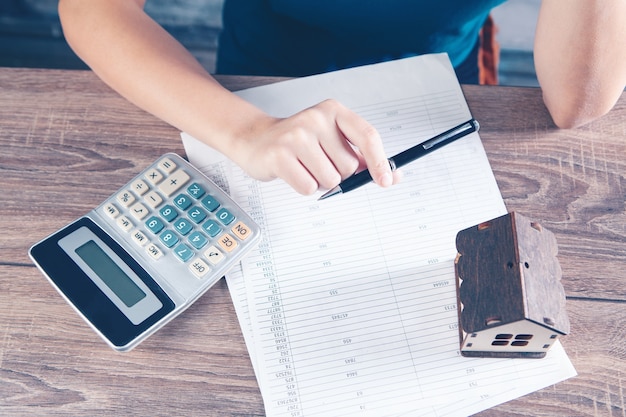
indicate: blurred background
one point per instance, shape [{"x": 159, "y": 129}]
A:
[{"x": 31, "y": 35}]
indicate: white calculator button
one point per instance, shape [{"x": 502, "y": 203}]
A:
[
  {"x": 153, "y": 199},
  {"x": 139, "y": 211},
  {"x": 125, "y": 224},
  {"x": 125, "y": 198},
  {"x": 174, "y": 182},
  {"x": 111, "y": 210},
  {"x": 214, "y": 255},
  {"x": 139, "y": 186},
  {"x": 154, "y": 251},
  {"x": 154, "y": 176},
  {"x": 139, "y": 238},
  {"x": 167, "y": 165},
  {"x": 199, "y": 267}
]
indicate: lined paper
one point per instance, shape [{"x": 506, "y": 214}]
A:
[{"x": 348, "y": 305}]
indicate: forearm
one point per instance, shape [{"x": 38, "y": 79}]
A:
[
  {"x": 580, "y": 58},
  {"x": 141, "y": 61}
]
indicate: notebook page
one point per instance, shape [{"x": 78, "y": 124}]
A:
[{"x": 351, "y": 300}]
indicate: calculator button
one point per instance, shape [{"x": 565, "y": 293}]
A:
[
  {"x": 168, "y": 238},
  {"x": 154, "y": 176},
  {"x": 199, "y": 267},
  {"x": 139, "y": 238},
  {"x": 154, "y": 224},
  {"x": 183, "y": 252},
  {"x": 210, "y": 203},
  {"x": 174, "y": 182},
  {"x": 111, "y": 210},
  {"x": 166, "y": 165},
  {"x": 195, "y": 190},
  {"x": 125, "y": 224},
  {"x": 213, "y": 255},
  {"x": 125, "y": 198},
  {"x": 153, "y": 199},
  {"x": 183, "y": 226},
  {"x": 182, "y": 201},
  {"x": 241, "y": 230},
  {"x": 212, "y": 228},
  {"x": 225, "y": 216},
  {"x": 154, "y": 251},
  {"x": 171, "y": 211},
  {"x": 139, "y": 187},
  {"x": 168, "y": 212},
  {"x": 227, "y": 242},
  {"x": 196, "y": 215},
  {"x": 198, "y": 240},
  {"x": 139, "y": 211}
]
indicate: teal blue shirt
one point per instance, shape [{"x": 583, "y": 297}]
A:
[{"x": 303, "y": 37}]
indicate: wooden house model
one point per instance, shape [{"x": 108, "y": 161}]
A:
[{"x": 510, "y": 299}]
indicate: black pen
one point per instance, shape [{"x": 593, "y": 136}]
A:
[{"x": 404, "y": 157}]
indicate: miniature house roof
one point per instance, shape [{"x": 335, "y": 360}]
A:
[{"x": 509, "y": 272}]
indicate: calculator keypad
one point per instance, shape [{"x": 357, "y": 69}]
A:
[{"x": 168, "y": 212}]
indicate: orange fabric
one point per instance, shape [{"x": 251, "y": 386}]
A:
[{"x": 488, "y": 54}]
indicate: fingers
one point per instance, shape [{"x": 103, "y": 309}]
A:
[
  {"x": 292, "y": 151},
  {"x": 315, "y": 148},
  {"x": 323, "y": 144},
  {"x": 298, "y": 177},
  {"x": 312, "y": 138},
  {"x": 366, "y": 138}
]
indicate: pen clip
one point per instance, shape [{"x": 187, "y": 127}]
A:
[{"x": 470, "y": 125}]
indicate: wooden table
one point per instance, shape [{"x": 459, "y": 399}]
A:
[{"x": 67, "y": 142}]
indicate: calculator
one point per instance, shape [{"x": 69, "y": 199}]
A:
[{"x": 148, "y": 252}]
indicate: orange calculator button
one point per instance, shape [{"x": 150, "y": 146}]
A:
[
  {"x": 241, "y": 230},
  {"x": 227, "y": 242}
]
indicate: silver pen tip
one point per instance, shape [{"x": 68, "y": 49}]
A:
[{"x": 330, "y": 193}]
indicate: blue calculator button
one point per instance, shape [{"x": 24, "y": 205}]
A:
[
  {"x": 212, "y": 228},
  {"x": 182, "y": 201},
  {"x": 210, "y": 203},
  {"x": 196, "y": 215},
  {"x": 198, "y": 240},
  {"x": 183, "y": 226},
  {"x": 196, "y": 191},
  {"x": 168, "y": 212},
  {"x": 225, "y": 216},
  {"x": 168, "y": 238},
  {"x": 183, "y": 252},
  {"x": 154, "y": 224}
]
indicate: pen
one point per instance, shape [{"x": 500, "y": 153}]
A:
[{"x": 404, "y": 157}]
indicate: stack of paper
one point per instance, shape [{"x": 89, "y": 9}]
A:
[{"x": 348, "y": 306}]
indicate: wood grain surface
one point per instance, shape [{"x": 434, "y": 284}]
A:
[{"x": 68, "y": 141}]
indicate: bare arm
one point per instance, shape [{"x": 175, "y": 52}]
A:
[
  {"x": 580, "y": 58},
  {"x": 141, "y": 61}
]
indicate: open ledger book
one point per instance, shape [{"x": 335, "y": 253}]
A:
[{"x": 348, "y": 305}]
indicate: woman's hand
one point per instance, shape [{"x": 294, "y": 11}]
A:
[{"x": 313, "y": 149}]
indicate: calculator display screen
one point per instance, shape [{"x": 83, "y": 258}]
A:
[
  {"x": 115, "y": 277},
  {"x": 110, "y": 273},
  {"x": 103, "y": 282}
]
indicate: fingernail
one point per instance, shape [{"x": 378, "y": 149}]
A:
[{"x": 386, "y": 180}]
